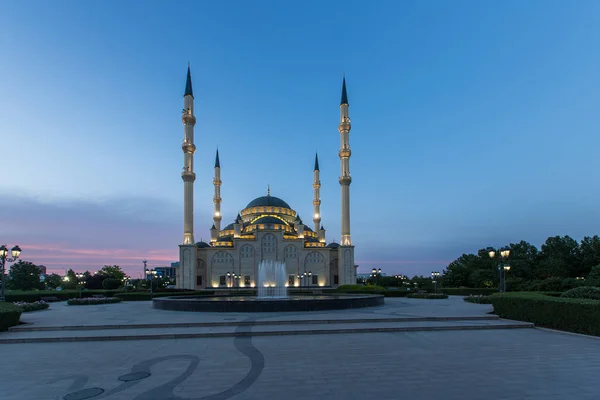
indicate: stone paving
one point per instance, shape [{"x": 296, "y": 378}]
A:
[{"x": 490, "y": 364}]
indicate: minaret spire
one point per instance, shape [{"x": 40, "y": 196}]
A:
[
  {"x": 187, "y": 175},
  {"x": 317, "y": 196},
  {"x": 268, "y": 190},
  {"x": 217, "y": 199},
  {"x": 188, "y": 84},
  {"x": 344, "y": 154}
]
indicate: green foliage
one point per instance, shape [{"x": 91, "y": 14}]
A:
[
  {"x": 144, "y": 296},
  {"x": 32, "y": 296},
  {"x": 27, "y": 307},
  {"x": 53, "y": 281},
  {"x": 111, "y": 283},
  {"x": 583, "y": 292},
  {"x": 71, "y": 282},
  {"x": 360, "y": 289},
  {"x": 90, "y": 301},
  {"x": 573, "y": 315},
  {"x": 594, "y": 274},
  {"x": 468, "y": 291},
  {"x": 427, "y": 296},
  {"x": 24, "y": 275},
  {"x": 9, "y": 315},
  {"x": 112, "y": 271},
  {"x": 478, "y": 299}
]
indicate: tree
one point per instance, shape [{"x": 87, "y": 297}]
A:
[
  {"x": 524, "y": 260},
  {"x": 71, "y": 280},
  {"x": 24, "y": 275},
  {"x": 590, "y": 253},
  {"x": 112, "y": 271},
  {"x": 560, "y": 257},
  {"x": 53, "y": 281}
]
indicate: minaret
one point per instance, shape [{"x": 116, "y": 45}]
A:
[
  {"x": 345, "y": 178},
  {"x": 188, "y": 147},
  {"x": 217, "y": 199},
  {"x": 317, "y": 197}
]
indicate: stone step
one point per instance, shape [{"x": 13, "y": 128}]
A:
[
  {"x": 257, "y": 330},
  {"x": 34, "y": 328}
]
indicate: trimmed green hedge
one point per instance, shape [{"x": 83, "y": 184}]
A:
[
  {"x": 145, "y": 296},
  {"x": 468, "y": 291},
  {"x": 27, "y": 307},
  {"x": 92, "y": 301},
  {"x": 9, "y": 315},
  {"x": 572, "y": 315},
  {"x": 583, "y": 292},
  {"x": 479, "y": 299},
  {"x": 36, "y": 295},
  {"x": 427, "y": 296}
]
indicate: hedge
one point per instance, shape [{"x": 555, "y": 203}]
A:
[
  {"x": 9, "y": 315},
  {"x": 36, "y": 295},
  {"x": 468, "y": 291},
  {"x": 427, "y": 296},
  {"x": 573, "y": 315},
  {"x": 145, "y": 296},
  {"x": 478, "y": 299},
  {"x": 91, "y": 301},
  {"x": 27, "y": 307}
]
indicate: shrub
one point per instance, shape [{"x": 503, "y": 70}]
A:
[
  {"x": 468, "y": 291},
  {"x": 86, "y": 301},
  {"x": 9, "y": 315},
  {"x": 427, "y": 296},
  {"x": 33, "y": 296},
  {"x": 111, "y": 284},
  {"x": 479, "y": 299},
  {"x": 553, "y": 284},
  {"x": 570, "y": 283},
  {"x": 396, "y": 293},
  {"x": 360, "y": 289},
  {"x": 144, "y": 296},
  {"x": 583, "y": 292},
  {"x": 27, "y": 307},
  {"x": 567, "y": 314}
]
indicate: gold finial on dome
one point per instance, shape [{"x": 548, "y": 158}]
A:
[{"x": 268, "y": 190}]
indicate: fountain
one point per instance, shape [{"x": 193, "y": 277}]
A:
[
  {"x": 271, "y": 296},
  {"x": 271, "y": 280}
]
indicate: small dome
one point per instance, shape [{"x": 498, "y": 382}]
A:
[
  {"x": 306, "y": 228},
  {"x": 333, "y": 245},
  {"x": 228, "y": 227},
  {"x": 268, "y": 201},
  {"x": 202, "y": 245},
  {"x": 269, "y": 220}
]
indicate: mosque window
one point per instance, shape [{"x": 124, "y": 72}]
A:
[
  {"x": 315, "y": 280},
  {"x": 199, "y": 280},
  {"x": 291, "y": 252},
  {"x": 247, "y": 280},
  {"x": 269, "y": 244},
  {"x": 336, "y": 279},
  {"x": 222, "y": 280},
  {"x": 246, "y": 251}
]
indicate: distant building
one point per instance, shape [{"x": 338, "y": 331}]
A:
[
  {"x": 166, "y": 272},
  {"x": 42, "y": 269}
]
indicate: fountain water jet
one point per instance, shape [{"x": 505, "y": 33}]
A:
[{"x": 271, "y": 280}]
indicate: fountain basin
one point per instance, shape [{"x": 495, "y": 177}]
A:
[{"x": 257, "y": 304}]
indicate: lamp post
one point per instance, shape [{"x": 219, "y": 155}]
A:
[
  {"x": 506, "y": 269},
  {"x": 374, "y": 276},
  {"x": 434, "y": 276},
  {"x": 398, "y": 280},
  {"x": 378, "y": 275},
  {"x": 15, "y": 252},
  {"x": 150, "y": 274},
  {"x": 79, "y": 277},
  {"x": 309, "y": 283},
  {"x": 305, "y": 277},
  {"x": 502, "y": 254}
]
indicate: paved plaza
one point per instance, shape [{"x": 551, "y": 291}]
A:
[{"x": 498, "y": 363}]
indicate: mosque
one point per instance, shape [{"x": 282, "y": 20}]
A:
[{"x": 267, "y": 229}]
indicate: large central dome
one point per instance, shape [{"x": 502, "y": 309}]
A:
[{"x": 268, "y": 201}]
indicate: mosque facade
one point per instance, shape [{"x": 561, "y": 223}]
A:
[{"x": 266, "y": 229}]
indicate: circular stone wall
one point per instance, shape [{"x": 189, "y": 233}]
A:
[{"x": 255, "y": 304}]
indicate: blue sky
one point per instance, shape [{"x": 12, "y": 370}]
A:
[{"x": 474, "y": 123}]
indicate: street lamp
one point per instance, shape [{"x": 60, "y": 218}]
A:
[
  {"x": 79, "y": 277},
  {"x": 434, "y": 276},
  {"x": 398, "y": 279},
  {"x": 305, "y": 277},
  {"x": 374, "y": 276},
  {"x": 15, "y": 252},
  {"x": 502, "y": 254},
  {"x": 309, "y": 278},
  {"x": 506, "y": 269},
  {"x": 150, "y": 274}
]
